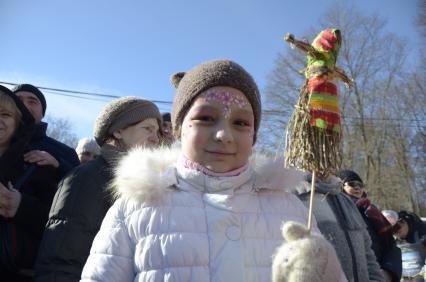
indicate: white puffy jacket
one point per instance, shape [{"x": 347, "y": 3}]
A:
[{"x": 175, "y": 224}]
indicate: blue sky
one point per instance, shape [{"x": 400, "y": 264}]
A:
[{"x": 131, "y": 47}]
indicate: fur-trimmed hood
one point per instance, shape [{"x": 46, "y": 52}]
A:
[{"x": 143, "y": 174}]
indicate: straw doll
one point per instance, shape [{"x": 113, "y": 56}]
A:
[{"x": 314, "y": 131}]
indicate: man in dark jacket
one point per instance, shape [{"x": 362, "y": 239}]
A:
[
  {"x": 44, "y": 149},
  {"x": 82, "y": 199}
]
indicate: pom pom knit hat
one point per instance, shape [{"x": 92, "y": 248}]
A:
[{"x": 207, "y": 75}]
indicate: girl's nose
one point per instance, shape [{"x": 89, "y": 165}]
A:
[{"x": 224, "y": 134}]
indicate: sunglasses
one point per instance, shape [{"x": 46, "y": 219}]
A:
[{"x": 355, "y": 184}]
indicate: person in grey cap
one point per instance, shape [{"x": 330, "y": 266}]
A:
[
  {"x": 82, "y": 198},
  {"x": 207, "y": 211},
  {"x": 87, "y": 149}
]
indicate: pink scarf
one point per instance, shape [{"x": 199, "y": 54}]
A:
[{"x": 187, "y": 163}]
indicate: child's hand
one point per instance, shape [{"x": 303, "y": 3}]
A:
[{"x": 305, "y": 257}]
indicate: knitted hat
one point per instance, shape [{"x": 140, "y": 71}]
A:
[
  {"x": 87, "y": 145},
  {"x": 166, "y": 117},
  {"x": 121, "y": 113},
  {"x": 391, "y": 216},
  {"x": 34, "y": 90},
  {"x": 348, "y": 175},
  {"x": 411, "y": 218},
  {"x": 207, "y": 75}
]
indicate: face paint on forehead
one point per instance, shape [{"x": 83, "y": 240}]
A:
[{"x": 228, "y": 99}]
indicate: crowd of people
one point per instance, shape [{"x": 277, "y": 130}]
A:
[{"x": 181, "y": 197}]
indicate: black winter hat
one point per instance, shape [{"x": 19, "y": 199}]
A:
[
  {"x": 31, "y": 88},
  {"x": 409, "y": 217},
  {"x": 166, "y": 117},
  {"x": 348, "y": 175}
]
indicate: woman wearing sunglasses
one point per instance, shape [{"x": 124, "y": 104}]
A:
[{"x": 383, "y": 244}]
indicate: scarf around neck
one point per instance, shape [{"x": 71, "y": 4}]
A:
[
  {"x": 112, "y": 154},
  {"x": 196, "y": 166}
]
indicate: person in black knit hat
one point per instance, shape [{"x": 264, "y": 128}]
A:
[
  {"x": 44, "y": 149},
  {"x": 168, "y": 137},
  {"x": 383, "y": 244}
]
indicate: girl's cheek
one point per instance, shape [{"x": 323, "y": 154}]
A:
[{"x": 186, "y": 130}]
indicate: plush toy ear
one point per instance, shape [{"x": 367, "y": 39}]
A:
[
  {"x": 293, "y": 231},
  {"x": 176, "y": 78}
]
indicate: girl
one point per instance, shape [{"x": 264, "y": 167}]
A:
[{"x": 206, "y": 212}]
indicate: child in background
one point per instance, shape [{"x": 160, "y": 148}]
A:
[{"x": 209, "y": 211}]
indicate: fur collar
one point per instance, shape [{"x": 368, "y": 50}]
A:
[{"x": 143, "y": 174}]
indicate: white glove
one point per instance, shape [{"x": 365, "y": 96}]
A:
[{"x": 305, "y": 257}]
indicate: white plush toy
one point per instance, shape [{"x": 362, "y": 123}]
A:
[{"x": 305, "y": 257}]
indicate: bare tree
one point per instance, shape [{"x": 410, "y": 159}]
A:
[
  {"x": 421, "y": 18},
  {"x": 61, "y": 130},
  {"x": 377, "y": 140}
]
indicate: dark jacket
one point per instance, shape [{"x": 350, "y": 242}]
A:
[
  {"x": 66, "y": 156},
  {"x": 341, "y": 224},
  {"x": 76, "y": 215},
  {"x": 383, "y": 244},
  {"x": 20, "y": 236}
]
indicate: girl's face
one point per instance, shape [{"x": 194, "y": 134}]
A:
[
  {"x": 8, "y": 125},
  {"x": 218, "y": 130},
  {"x": 144, "y": 133}
]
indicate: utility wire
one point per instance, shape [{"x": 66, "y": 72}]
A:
[
  {"x": 80, "y": 92},
  {"x": 74, "y": 96}
]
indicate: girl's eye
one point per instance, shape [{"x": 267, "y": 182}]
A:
[
  {"x": 242, "y": 123},
  {"x": 203, "y": 118}
]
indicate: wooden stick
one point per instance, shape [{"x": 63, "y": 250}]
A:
[
  {"x": 340, "y": 74},
  {"x": 311, "y": 201},
  {"x": 304, "y": 46}
]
